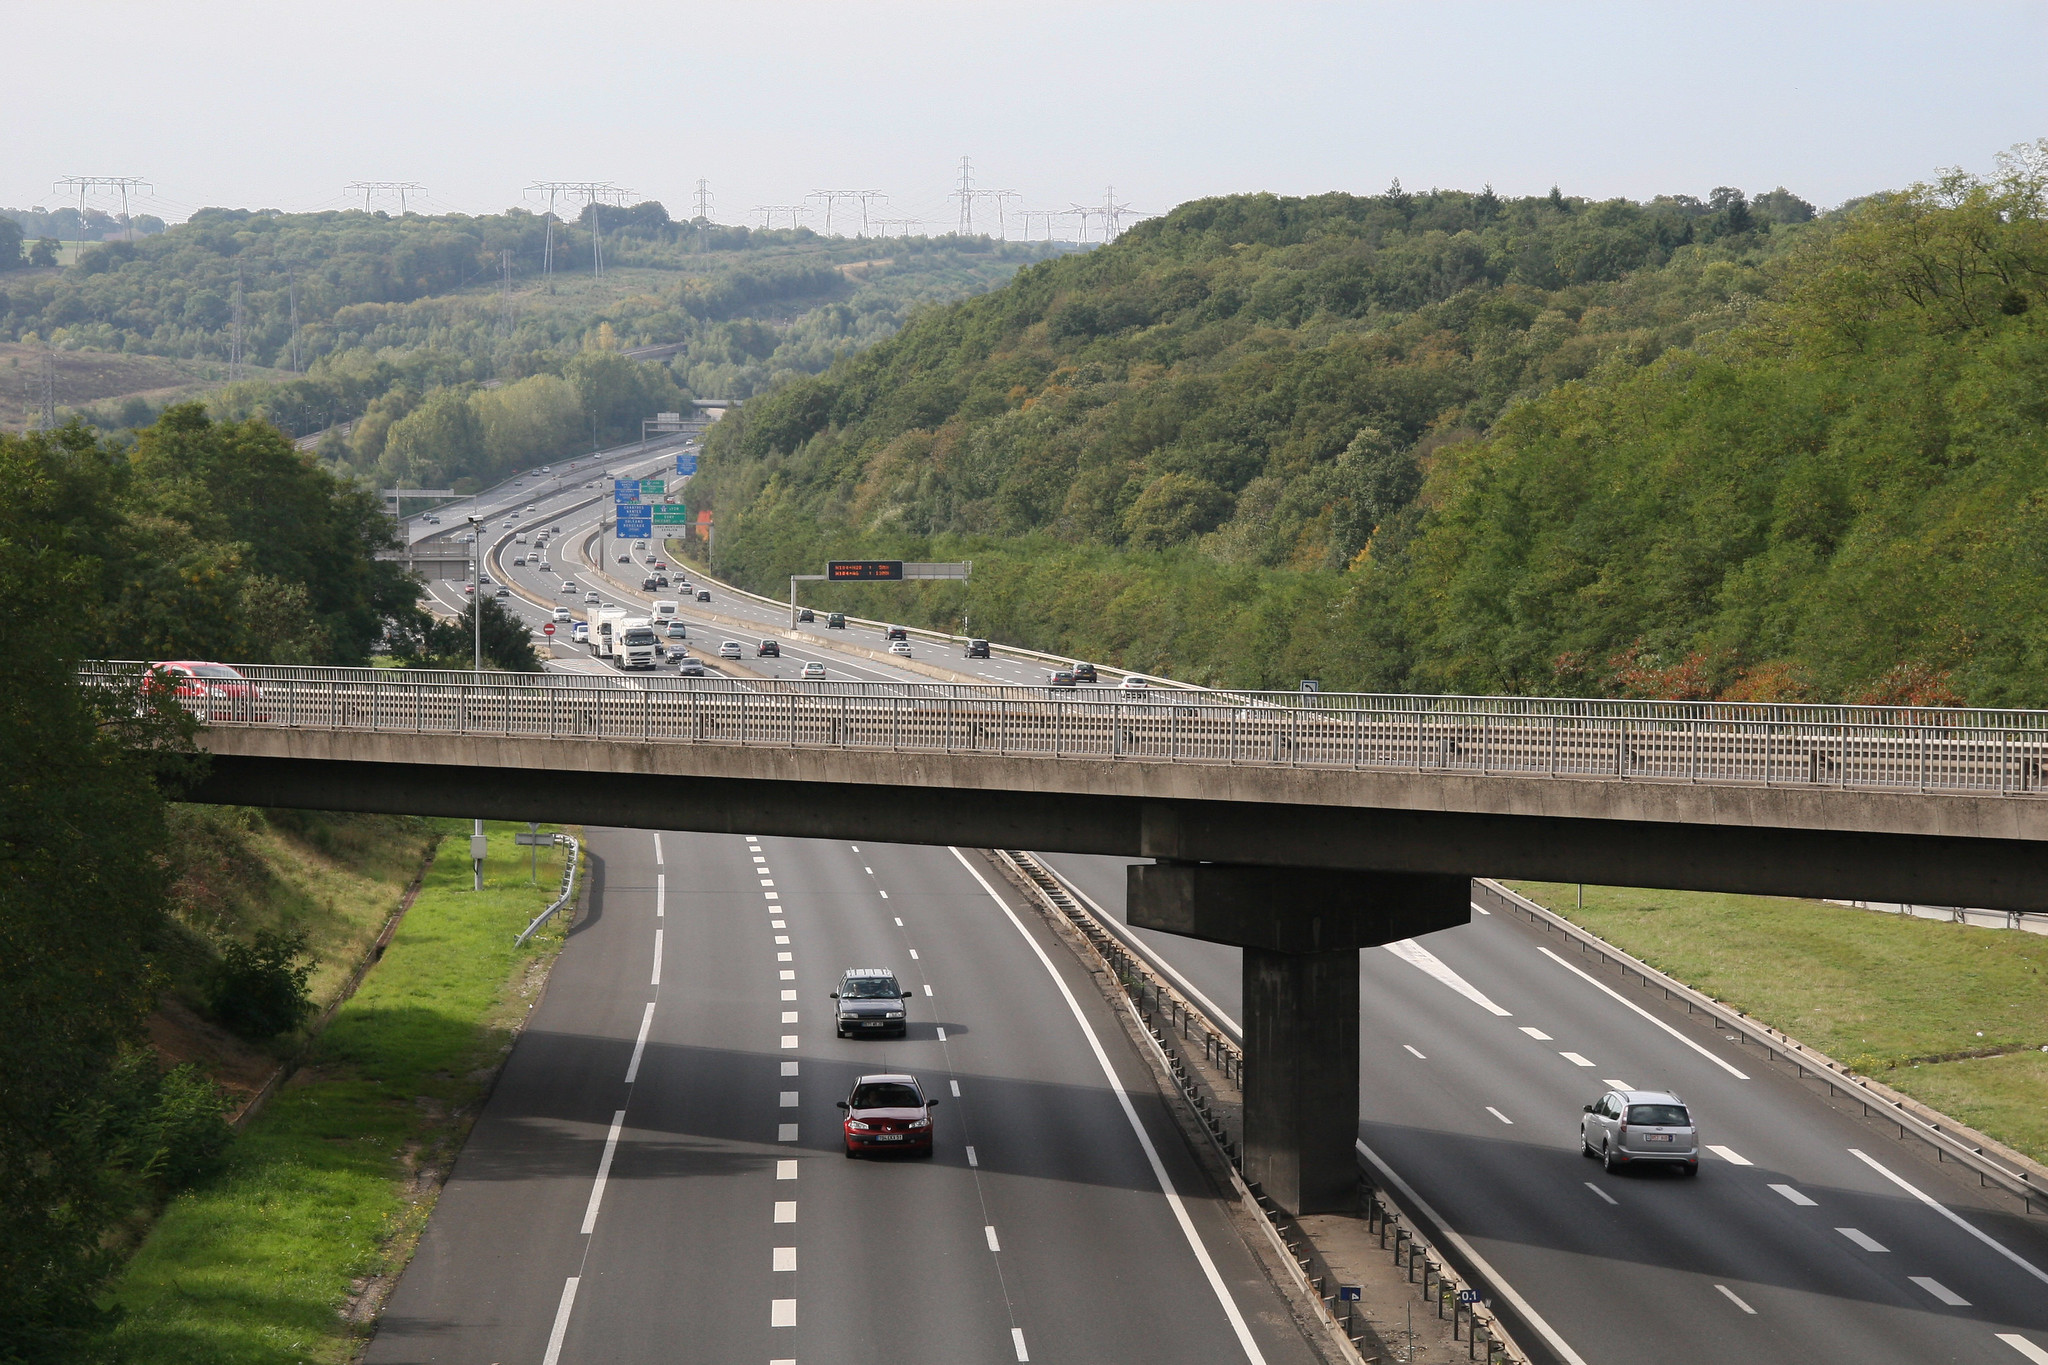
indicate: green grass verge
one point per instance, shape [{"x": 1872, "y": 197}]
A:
[
  {"x": 327, "y": 1190},
  {"x": 1877, "y": 992}
]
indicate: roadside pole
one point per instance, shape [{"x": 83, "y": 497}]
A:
[{"x": 478, "y": 845}]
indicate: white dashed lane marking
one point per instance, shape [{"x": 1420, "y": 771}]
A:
[
  {"x": 1417, "y": 1054},
  {"x": 1734, "y": 1300},
  {"x": 1729, "y": 1155},
  {"x": 1863, "y": 1239},
  {"x": 1940, "y": 1291},
  {"x": 1602, "y": 1193},
  {"x": 1795, "y": 1196},
  {"x": 1497, "y": 1114}
]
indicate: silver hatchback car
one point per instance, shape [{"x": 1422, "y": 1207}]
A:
[{"x": 1640, "y": 1127}]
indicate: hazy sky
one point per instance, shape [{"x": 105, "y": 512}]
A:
[{"x": 282, "y": 104}]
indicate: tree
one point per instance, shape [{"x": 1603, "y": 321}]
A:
[
  {"x": 418, "y": 640},
  {"x": 10, "y": 244},
  {"x": 43, "y": 253}
]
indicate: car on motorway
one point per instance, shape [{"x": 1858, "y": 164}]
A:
[
  {"x": 483, "y": 578},
  {"x": 564, "y": 614},
  {"x": 897, "y": 633},
  {"x": 1640, "y": 1127},
  {"x": 900, "y": 648},
  {"x": 502, "y": 592},
  {"x": 592, "y": 598},
  {"x": 567, "y": 586},
  {"x": 814, "y": 671},
  {"x": 729, "y": 649},
  {"x": 806, "y": 614},
  {"x": 625, "y": 559},
  {"x": 977, "y": 649},
  {"x": 703, "y": 594},
  {"x": 580, "y": 633},
  {"x": 469, "y": 588},
  {"x": 768, "y": 649},
  {"x": 469, "y": 539},
  {"x": 656, "y": 565},
  {"x": 1084, "y": 673},
  {"x": 554, "y": 530},
  {"x": 648, "y": 584},
  {"x": 836, "y": 621},
  {"x": 688, "y": 667},
  {"x": 870, "y": 1002},
  {"x": 1134, "y": 685},
  {"x": 519, "y": 539},
  {"x": 519, "y": 561},
  {"x": 661, "y": 580},
  {"x": 677, "y": 630},
  {"x": 888, "y": 1112},
  {"x": 1060, "y": 677},
  {"x": 544, "y": 566}
]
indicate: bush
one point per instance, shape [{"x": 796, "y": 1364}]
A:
[{"x": 260, "y": 987}]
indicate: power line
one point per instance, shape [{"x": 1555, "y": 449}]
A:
[
  {"x": 120, "y": 184},
  {"x": 1109, "y": 211},
  {"x": 882, "y": 226},
  {"x": 401, "y": 188},
  {"x": 768, "y": 212},
  {"x": 704, "y": 200},
  {"x": 863, "y": 197},
  {"x": 591, "y": 191}
]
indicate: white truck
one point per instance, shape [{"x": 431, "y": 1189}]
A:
[
  {"x": 636, "y": 643},
  {"x": 607, "y": 624}
]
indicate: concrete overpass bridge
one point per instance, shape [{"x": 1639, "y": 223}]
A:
[{"x": 1300, "y": 827}]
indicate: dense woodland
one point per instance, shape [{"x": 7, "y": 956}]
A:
[
  {"x": 382, "y": 318},
  {"x": 1455, "y": 442}
]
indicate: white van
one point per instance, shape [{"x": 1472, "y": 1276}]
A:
[{"x": 665, "y": 608}]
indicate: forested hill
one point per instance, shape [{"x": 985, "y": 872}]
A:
[
  {"x": 1448, "y": 441},
  {"x": 376, "y": 313}
]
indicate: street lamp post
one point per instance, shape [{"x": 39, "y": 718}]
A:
[{"x": 478, "y": 846}]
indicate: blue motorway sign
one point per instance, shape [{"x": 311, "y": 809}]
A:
[
  {"x": 636, "y": 521},
  {"x": 625, "y": 490},
  {"x": 686, "y": 463}
]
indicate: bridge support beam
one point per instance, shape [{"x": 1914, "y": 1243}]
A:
[{"x": 1300, "y": 929}]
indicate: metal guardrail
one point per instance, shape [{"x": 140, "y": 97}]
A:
[
  {"x": 1914, "y": 750},
  {"x": 567, "y": 894}
]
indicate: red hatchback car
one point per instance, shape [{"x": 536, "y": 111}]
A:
[
  {"x": 888, "y": 1113},
  {"x": 212, "y": 691}
]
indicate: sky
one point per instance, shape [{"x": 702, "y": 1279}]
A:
[{"x": 284, "y": 105}]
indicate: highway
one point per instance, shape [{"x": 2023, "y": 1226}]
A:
[
  {"x": 1807, "y": 1236},
  {"x": 658, "y": 1174},
  {"x": 1798, "y": 1242}
]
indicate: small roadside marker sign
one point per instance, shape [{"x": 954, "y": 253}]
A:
[{"x": 1349, "y": 1293}]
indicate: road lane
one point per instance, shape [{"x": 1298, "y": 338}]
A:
[
  {"x": 731, "y": 1228},
  {"x": 1610, "y": 1261}
]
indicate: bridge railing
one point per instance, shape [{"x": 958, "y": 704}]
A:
[{"x": 1919, "y": 749}]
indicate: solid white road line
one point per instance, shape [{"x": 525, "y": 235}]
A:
[
  {"x": 1418, "y": 1055},
  {"x": 1194, "y": 994},
  {"x": 1953, "y": 1217},
  {"x": 1482, "y": 909},
  {"x": 1413, "y": 953},
  {"x": 1017, "y": 1340},
  {"x": 993, "y": 1244},
  {"x": 782, "y": 1312},
  {"x": 660, "y": 894},
  {"x": 1602, "y": 1193},
  {"x": 1159, "y": 1173},
  {"x": 1734, "y": 1300},
  {"x": 1497, "y": 1114},
  {"x": 640, "y": 1043},
  {"x": 2024, "y": 1347},
  {"x": 657, "y": 959},
  {"x": 1940, "y": 1291},
  {"x": 604, "y": 1172},
  {"x": 1863, "y": 1239},
  {"x": 785, "y": 1210},
  {"x": 1479, "y": 1263},
  {"x": 1795, "y": 1196},
  {"x": 1538, "y": 1034},
  {"x": 554, "y": 1352},
  {"x": 785, "y": 1258},
  {"x": 1603, "y": 986},
  {"x": 1729, "y": 1155},
  {"x": 1575, "y": 1059}
]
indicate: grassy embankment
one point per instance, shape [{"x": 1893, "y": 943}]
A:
[
  {"x": 283, "y": 1256},
  {"x": 1901, "y": 1000}
]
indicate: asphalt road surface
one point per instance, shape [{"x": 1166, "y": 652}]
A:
[
  {"x": 1799, "y": 1241},
  {"x": 658, "y": 1175}
]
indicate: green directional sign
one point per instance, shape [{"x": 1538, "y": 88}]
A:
[
  {"x": 665, "y": 515},
  {"x": 650, "y": 488}
]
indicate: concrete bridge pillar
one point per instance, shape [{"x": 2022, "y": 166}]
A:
[{"x": 1301, "y": 929}]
